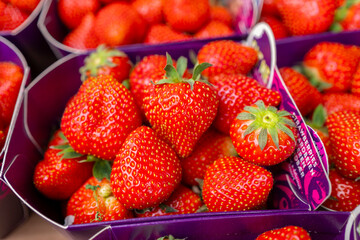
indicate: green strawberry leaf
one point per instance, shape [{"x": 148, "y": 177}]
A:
[
  {"x": 319, "y": 117},
  {"x": 274, "y": 136},
  {"x": 245, "y": 116},
  {"x": 70, "y": 155},
  {"x": 126, "y": 83},
  {"x": 171, "y": 72},
  {"x": 286, "y": 130},
  {"x": 62, "y": 136},
  {"x": 167, "y": 208},
  {"x": 252, "y": 127},
  {"x": 102, "y": 169},
  {"x": 263, "y": 136},
  {"x": 60, "y": 147},
  {"x": 198, "y": 70},
  {"x": 181, "y": 65}
]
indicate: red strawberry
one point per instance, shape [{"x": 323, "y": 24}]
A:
[
  {"x": 151, "y": 11},
  {"x": 71, "y": 12},
  {"x": 331, "y": 66},
  {"x": 11, "y": 76},
  {"x": 227, "y": 56},
  {"x": 214, "y": 29},
  {"x": 107, "y": 61},
  {"x": 25, "y": 5},
  {"x": 263, "y": 135},
  {"x": 285, "y": 233},
  {"x": 345, "y": 193},
  {"x": 182, "y": 201},
  {"x": 95, "y": 202},
  {"x": 161, "y": 33},
  {"x": 349, "y": 18},
  {"x": 233, "y": 184},
  {"x": 180, "y": 110},
  {"x": 98, "y": 119},
  {"x": 61, "y": 172},
  {"x": 83, "y": 36},
  {"x": 222, "y": 14},
  {"x": 305, "y": 95},
  {"x": 344, "y": 134},
  {"x": 355, "y": 83},
  {"x": 235, "y": 91},
  {"x": 334, "y": 102},
  {"x": 11, "y": 17},
  {"x": 276, "y": 26},
  {"x": 303, "y": 17},
  {"x": 146, "y": 170},
  {"x": 211, "y": 146},
  {"x": 270, "y": 8},
  {"x": 186, "y": 15}
]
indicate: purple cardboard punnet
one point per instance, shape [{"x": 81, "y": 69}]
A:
[{"x": 44, "y": 102}]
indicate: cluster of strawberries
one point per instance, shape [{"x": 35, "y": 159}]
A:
[
  {"x": 135, "y": 151},
  {"x": 14, "y": 12},
  {"x": 114, "y": 23},
  {"x": 11, "y": 76},
  {"x": 327, "y": 91},
  {"x": 303, "y": 17}
]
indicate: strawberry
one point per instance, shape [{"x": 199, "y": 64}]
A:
[
  {"x": 278, "y": 28},
  {"x": 222, "y": 14},
  {"x": 270, "y": 8},
  {"x": 344, "y": 134},
  {"x": 305, "y": 95},
  {"x": 263, "y": 135},
  {"x": 11, "y": 76},
  {"x": 83, "y": 36},
  {"x": 331, "y": 66},
  {"x": 227, "y": 56},
  {"x": 211, "y": 146},
  {"x": 214, "y": 29},
  {"x": 161, "y": 33},
  {"x": 182, "y": 201},
  {"x": 107, "y": 61},
  {"x": 347, "y": 17},
  {"x": 290, "y": 232},
  {"x": 345, "y": 193},
  {"x": 71, "y": 12},
  {"x": 145, "y": 171},
  {"x": 334, "y": 102},
  {"x": 25, "y": 5},
  {"x": 11, "y": 16},
  {"x": 61, "y": 172},
  {"x": 186, "y": 15},
  {"x": 303, "y": 17},
  {"x": 180, "y": 110},
  {"x": 95, "y": 202},
  {"x": 233, "y": 184},
  {"x": 355, "y": 82},
  {"x": 235, "y": 91},
  {"x": 151, "y": 11},
  {"x": 99, "y": 117}
]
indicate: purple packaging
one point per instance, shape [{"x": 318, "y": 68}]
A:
[
  {"x": 44, "y": 102},
  {"x": 12, "y": 210},
  {"x": 29, "y": 40}
]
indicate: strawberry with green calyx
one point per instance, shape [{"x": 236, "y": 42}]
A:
[
  {"x": 179, "y": 109},
  {"x": 95, "y": 202},
  {"x": 62, "y": 170},
  {"x": 290, "y": 232},
  {"x": 346, "y": 16},
  {"x": 106, "y": 61},
  {"x": 233, "y": 184},
  {"x": 145, "y": 171},
  {"x": 263, "y": 135}
]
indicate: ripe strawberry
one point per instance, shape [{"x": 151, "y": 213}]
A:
[
  {"x": 182, "y": 201},
  {"x": 222, "y": 14},
  {"x": 61, "y": 172},
  {"x": 233, "y": 184},
  {"x": 355, "y": 83},
  {"x": 214, "y": 29},
  {"x": 180, "y": 110},
  {"x": 334, "y": 102},
  {"x": 186, "y": 15},
  {"x": 305, "y": 95},
  {"x": 99, "y": 117},
  {"x": 263, "y": 135},
  {"x": 161, "y": 33},
  {"x": 25, "y": 5},
  {"x": 83, "y": 36},
  {"x": 269, "y": 8},
  {"x": 107, "y": 61},
  {"x": 211, "y": 146},
  {"x": 235, "y": 91},
  {"x": 276, "y": 26},
  {"x": 331, "y": 66},
  {"x": 151, "y": 11},
  {"x": 146, "y": 170},
  {"x": 344, "y": 134},
  {"x": 11, "y": 76},
  {"x": 285, "y": 233},
  {"x": 227, "y": 56},
  {"x": 303, "y": 17},
  {"x": 95, "y": 202},
  {"x": 11, "y": 17},
  {"x": 349, "y": 18},
  {"x": 345, "y": 193},
  {"x": 71, "y": 12}
]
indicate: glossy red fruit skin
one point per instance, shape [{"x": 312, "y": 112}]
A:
[
  {"x": 146, "y": 170},
  {"x": 233, "y": 184},
  {"x": 355, "y": 83},
  {"x": 214, "y": 29},
  {"x": 278, "y": 28},
  {"x": 334, "y": 102},
  {"x": 345, "y": 193},
  {"x": 11, "y": 16},
  {"x": 351, "y": 21},
  {"x": 161, "y": 33},
  {"x": 222, "y": 14},
  {"x": 228, "y": 57},
  {"x": 284, "y": 233},
  {"x": 99, "y": 117},
  {"x": 25, "y": 5},
  {"x": 151, "y": 11}
]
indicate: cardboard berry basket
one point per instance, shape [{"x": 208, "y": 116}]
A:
[
  {"x": 12, "y": 210},
  {"x": 301, "y": 183},
  {"x": 246, "y": 14}
]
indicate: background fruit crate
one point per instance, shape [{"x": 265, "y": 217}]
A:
[{"x": 44, "y": 102}]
